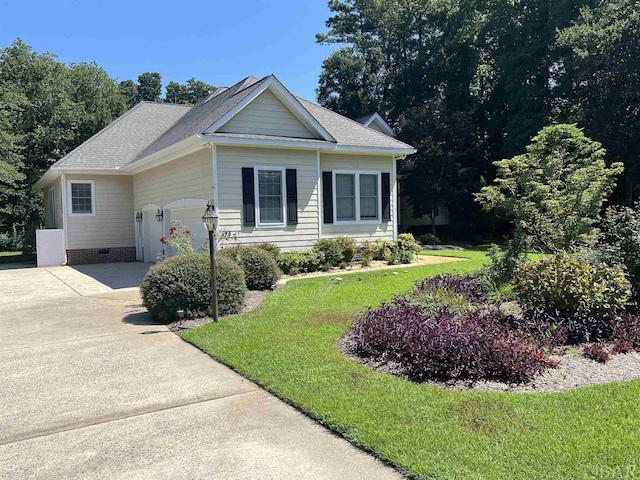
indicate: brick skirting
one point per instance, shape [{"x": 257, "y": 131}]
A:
[{"x": 101, "y": 255}]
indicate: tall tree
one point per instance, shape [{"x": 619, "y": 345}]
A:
[
  {"x": 149, "y": 86},
  {"x": 602, "y": 82},
  {"x": 190, "y": 93},
  {"x": 129, "y": 90},
  {"x": 51, "y": 109}
]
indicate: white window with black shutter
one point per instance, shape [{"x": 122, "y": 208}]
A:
[
  {"x": 356, "y": 197},
  {"x": 269, "y": 196}
]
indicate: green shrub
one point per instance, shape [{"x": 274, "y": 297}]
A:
[
  {"x": 366, "y": 260},
  {"x": 382, "y": 249},
  {"x": 300, "y": 261},
  {"x": 406, "y": 243},
  {"x": 331, "y": 249},
  {"x": 503, "y": 263},
  {"x": 184, "y": 283},
  {"x": 406, "y": 256},
  {"x": 271, "y": 248},
  {"x": 343, "y": 265},
  {"x": 349, "y": 248},
  {"x": 367, "y": 249},
  {"x": 572, "y": 287},
  {"x": 620, "y": 242},
  {"x": 428, "y": 239},
  {"x": 392, "y": 259},
  {"x": 261, "y": 271}
]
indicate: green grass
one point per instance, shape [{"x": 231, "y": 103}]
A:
[
  {"x": 288, "y": 345},
  {"x": 15, "y": 257}
]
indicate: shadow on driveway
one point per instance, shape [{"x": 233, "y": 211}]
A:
[{"x": 116, "y": 275}]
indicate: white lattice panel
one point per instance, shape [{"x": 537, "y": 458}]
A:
[{"x": 50, "y": 248}]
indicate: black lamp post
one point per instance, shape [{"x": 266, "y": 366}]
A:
[{"x": 210, "y": 220}]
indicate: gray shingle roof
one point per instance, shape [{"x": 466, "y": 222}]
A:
[
  {"x": 120, "y": 142},
  {"x": 350, "y": 132},
  {"x": 150, "y": 127},
  {"x": 204, "y": 114}
]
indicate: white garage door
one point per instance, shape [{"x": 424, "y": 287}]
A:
[{"x": 191, "y": 219}]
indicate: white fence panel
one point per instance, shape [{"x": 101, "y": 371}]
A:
[{"x": 50, "y": 247}]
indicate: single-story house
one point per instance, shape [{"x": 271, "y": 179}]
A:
[{"x": 278, "y": 169}]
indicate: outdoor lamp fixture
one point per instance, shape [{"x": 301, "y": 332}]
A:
[
  {"x": 159, "y": 215},
  {"x": 138, "y": 217},
  {"x": 210, "y": 221}
]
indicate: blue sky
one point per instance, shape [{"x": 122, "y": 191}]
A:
[{"x": 216, "y": 42}]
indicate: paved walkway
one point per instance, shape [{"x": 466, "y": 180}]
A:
[{"x": 91, "y": 388}]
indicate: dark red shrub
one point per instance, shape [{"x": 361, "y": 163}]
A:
[
  {"x": 553, "y": 329},
  {"x": 626, "y": 329},
  {"x": 597, "y": 352},
  {"x": 477, "y": 344}
]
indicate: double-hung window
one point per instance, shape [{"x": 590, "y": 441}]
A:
[
  {"x": 82, "y": 197},
  {"x": 269, "y": 184},
  {"x": 357, "y": 196}
]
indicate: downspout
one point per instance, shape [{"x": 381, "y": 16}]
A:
[
  {"x": 216, "y": 196},
  {"x": 63, "y": 200},
  {"x": 395, "y": 196},
  {"x": 318, "y": 192}
]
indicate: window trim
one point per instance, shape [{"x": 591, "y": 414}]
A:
[
  {"x": 283, "y": 191},
  {"x": 93, "y": 198},
  {"x": 357, "y": 174}
]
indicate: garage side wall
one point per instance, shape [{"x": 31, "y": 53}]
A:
[
  {"x": 188, "y": 177},
  {"x": 109, "y": 235},
  {"x": 231, "y": 160}
]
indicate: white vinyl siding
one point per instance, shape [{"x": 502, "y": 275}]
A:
[
  {"x": 266, "y": 115},
  {"x": 112, "y": 224},
  {"x": 53, "y": 194},
  {"x": 231, "y": 160},
  {"x": 367, "y": 229},
  {"x": 188, "y": 177}
]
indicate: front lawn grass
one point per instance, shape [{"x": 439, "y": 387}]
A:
[
  {"x": 15, "y": 257},
  {"x": 288, "y": 345}
]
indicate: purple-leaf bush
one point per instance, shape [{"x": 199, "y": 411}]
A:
[
  {"x": 478, "y": 344},
  {"x": 597, "y": 352}
]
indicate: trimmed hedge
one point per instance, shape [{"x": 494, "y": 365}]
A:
[
  {"x": 183, "y": 283},
  {"x": 300, "y": 261},
  {"x": 261, "y": 271}
]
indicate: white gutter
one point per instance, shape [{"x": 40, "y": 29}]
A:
[
  {"x": 319, "y": 193},
  {"x": 165, "y": 155},
  {"x": 63, "y": 199}
]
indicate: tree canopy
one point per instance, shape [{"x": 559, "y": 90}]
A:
[
  {"x": 47, "y": 108},
  {"x": 470, "y": 82}
]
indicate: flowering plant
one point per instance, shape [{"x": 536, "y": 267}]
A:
[{"x": 183, "y": 241}]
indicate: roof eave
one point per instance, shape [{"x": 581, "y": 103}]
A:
[{"x": 184, "y": 147}]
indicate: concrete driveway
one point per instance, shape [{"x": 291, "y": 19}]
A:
[{"x": 91, "y": 388}]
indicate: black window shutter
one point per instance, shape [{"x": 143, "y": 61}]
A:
[
  {"x": 292, "y": 196},
  {"x": 248, "y": 198},
  {"x": 386, "y": 197},
  {"x": 327, "y": 196}
]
